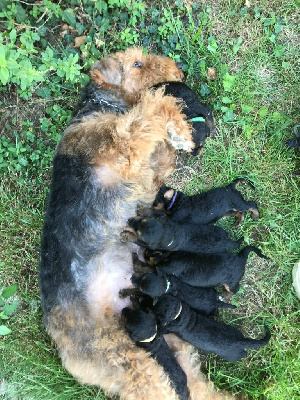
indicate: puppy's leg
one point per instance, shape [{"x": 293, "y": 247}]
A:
[{"x": 199, "y": 387}]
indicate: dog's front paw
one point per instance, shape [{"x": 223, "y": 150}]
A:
[
  {"x": 128, "y": 236},
  {"x": 179, "y": 140}
]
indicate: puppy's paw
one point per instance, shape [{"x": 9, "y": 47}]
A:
[
  {"x": 128, "y": 236},
  {"x": 255, "y": 213}
]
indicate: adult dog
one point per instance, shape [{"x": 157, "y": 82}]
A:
[{"x": 113, "y": 156}]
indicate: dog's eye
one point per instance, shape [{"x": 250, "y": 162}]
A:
[{"x": 138, "y": 64}]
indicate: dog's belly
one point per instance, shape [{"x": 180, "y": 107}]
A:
[{"x": 111, "y": 271}]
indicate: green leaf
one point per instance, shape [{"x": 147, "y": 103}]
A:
[
  {"x": 4, "y": 330},
  {"x": 13, "y": 35},
  {"x": 228, "y": 82},
  {"x": 9, "y": 309},
  {"x": 4, "y": 75},
  {"x": 69, "y": 17},
  {"x": 3, "y": 61},
  {"x": 228, "y": 116},
  {"x": 9, "y": 291},
  {"x": 3, "y": 315},
  {"x": 204, "y": 90},
  {"x": 44, "y": 92},
  {"x": 246, "y": 109},
  {"x": 263, "y": 111},
  {"x": 21, "y": 15},
  {"x": 226, "y": 100}
]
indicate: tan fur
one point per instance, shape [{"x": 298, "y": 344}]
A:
[
  {"x": 198, "y": 386},
  {"x": 109, "y": 356},
  {"x": 137, "y": 147}
]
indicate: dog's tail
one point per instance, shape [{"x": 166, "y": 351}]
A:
[
  {"x": 255, "y": 343},
  {"x": 245, "y": 252},
  {"x": 234, "y": 183}
]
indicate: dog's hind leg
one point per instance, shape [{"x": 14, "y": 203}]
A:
[{"x": 107, "y": 357}]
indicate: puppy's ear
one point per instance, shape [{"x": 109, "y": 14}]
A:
[
  {"x": 169, "y": 194},
  {"x": 106, "y": 71},
  {"x": 159, "y": 273}
]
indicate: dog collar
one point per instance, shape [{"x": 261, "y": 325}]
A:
[
  {"x": 180, "y": 309},
  {"x": 198, "y": 119},
  {"x": 168, "y": 285},
  {"x": 149, "y": 340},
  {"x": 172, "y": 201},
  {"x": 101, "y": 102},
  {"x": 170, "y": 242}
]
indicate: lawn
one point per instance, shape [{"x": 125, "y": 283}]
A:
[{"x": 253, "y": 48}]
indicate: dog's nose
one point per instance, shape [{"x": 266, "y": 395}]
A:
[{"x": 179, "y": 65}]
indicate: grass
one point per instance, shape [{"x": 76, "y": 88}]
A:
[{"x": 255, "y": 113}]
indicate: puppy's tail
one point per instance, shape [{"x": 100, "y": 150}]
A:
[
  {"x": 255, "y": 343},
  {"x": 234, "y": 183},
  {"x": 245, "y": 252}
]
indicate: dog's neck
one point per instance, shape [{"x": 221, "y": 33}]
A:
[{"x": 99, "y": 99}]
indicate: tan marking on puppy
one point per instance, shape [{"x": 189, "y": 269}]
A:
[{"x": 169, "y": 194}]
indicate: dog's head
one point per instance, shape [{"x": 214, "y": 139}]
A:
[
  {"x": 164, "y": 199},
  {"x": 134, "y": 71},
  {"x": 166, "y": 309},
  {"x": 152, "y": 284},
  {"x": 140, "y": 325}
]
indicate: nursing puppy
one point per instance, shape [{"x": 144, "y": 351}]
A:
[
  {"x": 204, "y": 333},
  {"x": 207, "y": 207},
  {"x": 143, "y": 330},
  {"x": 193, "y": 109},
  {"x": 208, "y": 270},
  {"x": 163, "y": 234},
  {"x": 203, "y": 300}
]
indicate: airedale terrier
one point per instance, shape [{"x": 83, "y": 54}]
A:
[{"x": 115, "y": 153}]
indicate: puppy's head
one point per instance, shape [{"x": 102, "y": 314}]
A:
[
  {"x": 153, "y": 257},
  {"x": 164, "y": 199},
  {"x": 140, "y": 324},
  {"x": 152, "y": 284},
  {"x": 134, "y": 71},
  {"x": 147, "y": 230},
  {"x": 166, "y": 309}
]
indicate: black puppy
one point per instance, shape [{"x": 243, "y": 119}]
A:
[
  {"x": 202, "y": 332},
  {"x": 143, "y": 330},
  {"x": 200, "y": 299},
  {"x": 207, "y": 207},
  {"x": 164, "y": 234},
  {"x": 207, "y": 270},
  {"x": 193, "y": 109}
]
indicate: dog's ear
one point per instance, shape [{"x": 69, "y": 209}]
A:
[
  {"x": 169, "y": 194},
  {"x": 106, "y": 71}
]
